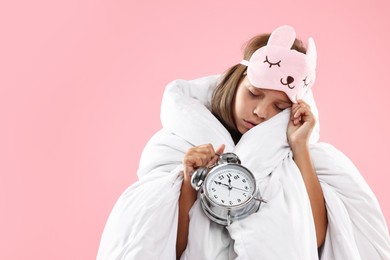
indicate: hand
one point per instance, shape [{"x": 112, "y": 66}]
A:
[
  {"x": 200, "y": 156},
  {"x": 302, "y": 122}
]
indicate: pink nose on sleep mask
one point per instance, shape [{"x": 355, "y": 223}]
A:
[{"x": 276, "y": 66}]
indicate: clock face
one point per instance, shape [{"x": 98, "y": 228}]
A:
[{"x": 230, "y": 185}]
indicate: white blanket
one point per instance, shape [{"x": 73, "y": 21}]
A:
[{"x": 143, "y": 223}]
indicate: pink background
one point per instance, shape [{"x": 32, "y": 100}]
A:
[{"x": 81, "y": 84}]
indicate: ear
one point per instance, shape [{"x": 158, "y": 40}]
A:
[
  {"x": 311, "y": 52},
  {"x": 283, "y": 36}
]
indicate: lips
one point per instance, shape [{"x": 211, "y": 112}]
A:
[{"x": 249, "y": 124}]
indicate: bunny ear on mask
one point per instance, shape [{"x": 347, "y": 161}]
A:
[
  {"x": 311, "y": 52},
  {"x": 283, "y": 36}
]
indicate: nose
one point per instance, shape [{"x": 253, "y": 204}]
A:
[
  {"x": 261, "y": 111},
  {"x": 290, "y": 79}
]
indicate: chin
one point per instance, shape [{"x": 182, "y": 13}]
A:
[{"x": 241, "y": 131}]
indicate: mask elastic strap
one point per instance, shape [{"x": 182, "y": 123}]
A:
[{"x": 244, "y": 62}]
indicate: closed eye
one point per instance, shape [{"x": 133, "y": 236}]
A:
[
  {"x": 304, "y": 82},
  {"x": 271, "y": 63},
  {"x": 251, "y": 93},
  {"x": 281, "y": 107},
  {"x": 278, "y": 108}
]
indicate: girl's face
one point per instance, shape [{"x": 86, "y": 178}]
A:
[{"x": 253, "y": 105}]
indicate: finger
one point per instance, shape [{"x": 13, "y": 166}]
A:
[
  {"x": 298, "y": 114},
  {"x": 298, "y": 105},
  {"x": 303, "y": 115},
  {"x": 302, "y": 102},
  {"x": 294, "y": 109},
  {"x": 193, "y": 160},
  {"x": 203, "y": 152},
  {"x": 309, "y": 117},
  {"x": 217, "y": 155},
  {"x": 301, "y": 106},
  {"x": 206, "y": 149},
  {"x": 198, "y": 156},
  {"x": 301, "y": 110},
  {"x": 220, "y": 149}
]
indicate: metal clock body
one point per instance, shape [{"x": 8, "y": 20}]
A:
[{"x": 228, "y": 190}]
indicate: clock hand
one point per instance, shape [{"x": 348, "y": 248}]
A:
[
  {"x": 239, "y": 189},
  {"x": 220, "y": 183},
  {"x": 230, "y": 184}
]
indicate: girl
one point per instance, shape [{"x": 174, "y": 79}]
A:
[
  {"x": 318, "y": 205},
  {"x": 244, "y": 107}
]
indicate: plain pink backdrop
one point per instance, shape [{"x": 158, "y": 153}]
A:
[{"x": 81, "y": 84}]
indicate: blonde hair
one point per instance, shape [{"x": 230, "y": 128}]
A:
[{"x": 223, "y": 98}]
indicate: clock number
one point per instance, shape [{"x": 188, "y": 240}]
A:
[
  {"x": 246, "y": 187},
  {"x": 236, "y": 177},
  {"x": 221, "y": 177},
  {"x": 238, "y": 200},
  {"x": 223, "y": 201},
  {"x": 231, "y": 202},
  {"x": 215, "y": 196},
  {"x": 244, "y": 194},
  {"x": 229, "y": 174},
  {"x": 243, "y": 180},
  {"x": 213, "y": 189}
]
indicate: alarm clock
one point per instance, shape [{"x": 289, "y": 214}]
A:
[{"x": 227, "y": 190}]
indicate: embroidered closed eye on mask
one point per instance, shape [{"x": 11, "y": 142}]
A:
[{"x": 276, "y": 66}]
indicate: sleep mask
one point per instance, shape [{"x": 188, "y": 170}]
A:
[{"x": 276, "y": 66}]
